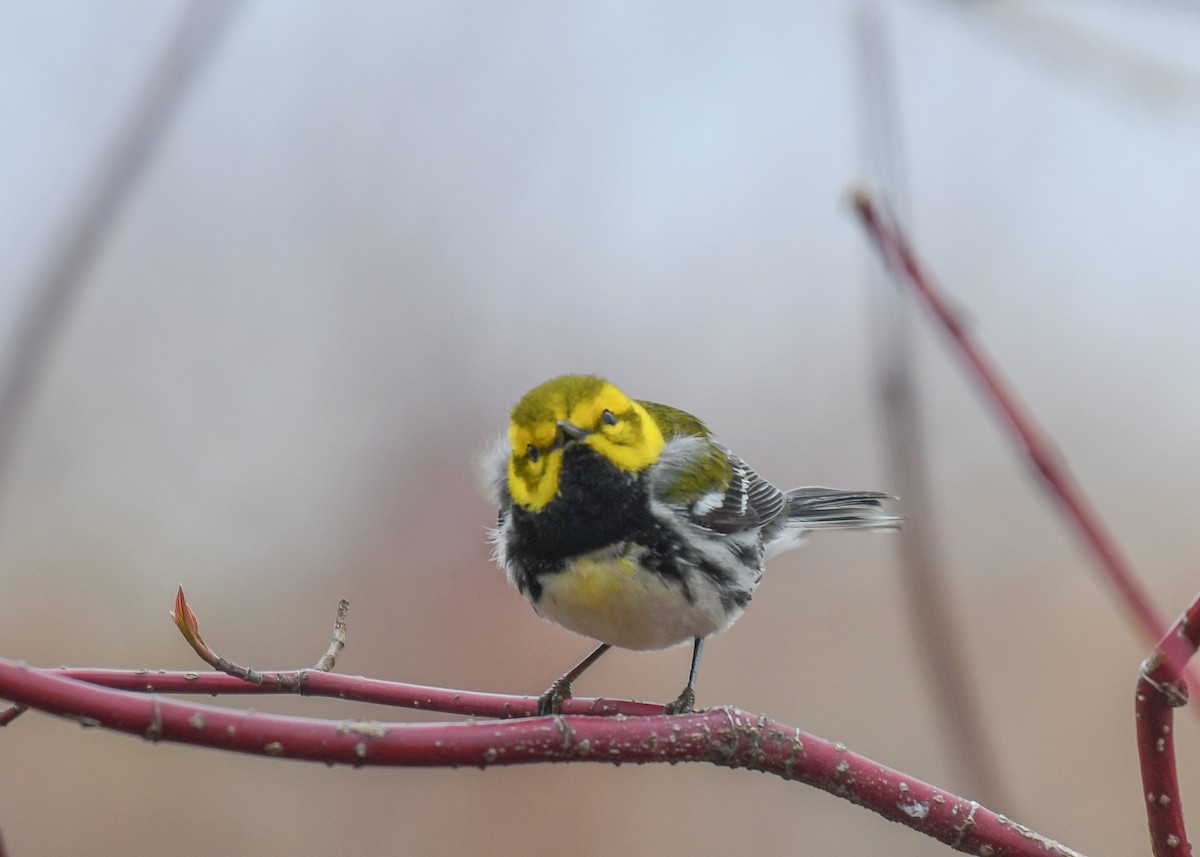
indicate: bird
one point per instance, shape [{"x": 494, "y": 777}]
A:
[{"x": 628, "y": 522}]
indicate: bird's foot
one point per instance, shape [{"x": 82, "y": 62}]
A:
[
  {"x": 551, "y": 701},
  {"x": 683, "y": 704}
]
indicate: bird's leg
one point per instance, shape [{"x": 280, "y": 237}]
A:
[
  {"x": 551, "y": 701},
  {"x": 683, "y": 704}
]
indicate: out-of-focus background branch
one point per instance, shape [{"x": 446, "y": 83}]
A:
[
  {"x": 369, "y": 229},
  {"x": 98, "y": 208},
  {"x": 935, "y": 624}
]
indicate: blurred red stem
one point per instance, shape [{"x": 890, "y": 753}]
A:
[
  {"x": 896, "y": 251},
  {"x": 934, "y": 623},
  {"x": 97, "y": 209},
  {"x": 1159, "y": 691},
  {"x": 726, "y": 736}
]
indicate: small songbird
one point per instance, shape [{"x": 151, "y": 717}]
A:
[{"x": 627, "y": 522}]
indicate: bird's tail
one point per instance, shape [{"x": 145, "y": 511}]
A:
[
  {"x": 810, "y": 509},
  {"x": 828, "y": 509}
]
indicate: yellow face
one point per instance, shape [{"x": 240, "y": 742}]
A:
[{"x": 574, "y": 409}]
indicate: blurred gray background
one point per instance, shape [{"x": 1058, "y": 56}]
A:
[{"x": 371, "y": 227}]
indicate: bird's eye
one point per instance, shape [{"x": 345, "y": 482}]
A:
[
  {"x": 531, "y": 452},
  {"x": 608, "y": 418}
]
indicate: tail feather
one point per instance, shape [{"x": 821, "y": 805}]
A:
[
  {"x": 829, "y": 509},
  {"x": 808, "y": 509}
]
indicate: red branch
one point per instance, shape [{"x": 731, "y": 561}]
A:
[
  {"x": 314, "y": 682},
  {"x": 893, "y": 245},
  {"x": 1159, "y": 690},
  {"x": 234, "y": 678},
  {"x": 725, "y": 736}
]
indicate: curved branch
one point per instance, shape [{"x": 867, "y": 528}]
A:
[
  {"x": 1159, "y": 690},
  {"x": 726, "y": 736}
]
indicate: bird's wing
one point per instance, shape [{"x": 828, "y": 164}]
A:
[{"x": 711, "y": 488}]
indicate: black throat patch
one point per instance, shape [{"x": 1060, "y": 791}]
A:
[{"x": 597, "y": 505}]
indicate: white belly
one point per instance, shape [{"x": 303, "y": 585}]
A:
[{"x": 614, "y": 600}]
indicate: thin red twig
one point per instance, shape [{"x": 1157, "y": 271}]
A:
[
  {"x": 337, "y": 642},
  {"x": 726, "y": 736},
  {"x": 312, "y": 682},
  {"x": 1034, "y": 442},
  {"x": 1159, "y": 691},
  {"x": 189, "y": 626},
  {"x": 318, "y": 681}
]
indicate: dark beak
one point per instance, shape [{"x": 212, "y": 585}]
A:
[{"x": 568, "y": 432}]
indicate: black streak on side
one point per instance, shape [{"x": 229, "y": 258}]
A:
[
  {"x": 748, "y": 554},
  {"x": 597, "y": 506}
]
